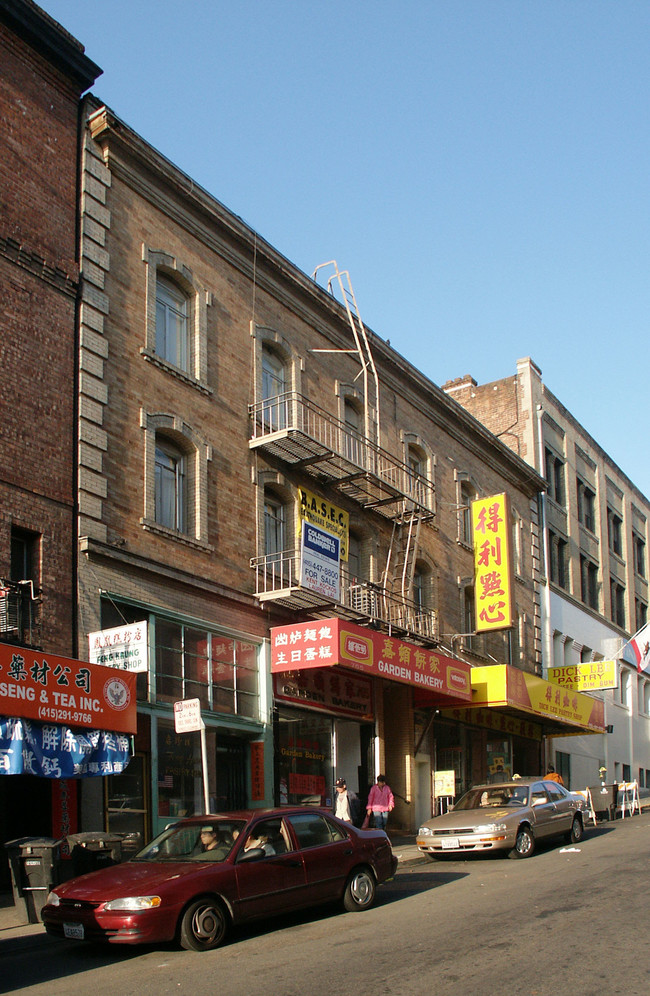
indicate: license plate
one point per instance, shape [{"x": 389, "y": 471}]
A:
[
  {"x": 75, "y": 931},
  {"x": 450, "y": 843}
]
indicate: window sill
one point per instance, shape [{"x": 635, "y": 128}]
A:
[
  {"x": 173, "y": 534},
  {"x": 169, "y": 368}
]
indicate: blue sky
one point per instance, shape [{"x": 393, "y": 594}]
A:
[{"x": 479, "y": 166}]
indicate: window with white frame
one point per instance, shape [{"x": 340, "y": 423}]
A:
[
  {"x": 176, "y": 479},
  {"x": 172, "y": 331},
  {"x": 275, "y": 526},
  {"x": 171, "y": 486},
  {"x": 273, "y": 389},
  {"x": 176, "y": 326},
  {"x": 625, "y": 687},
  {"x": 466, "y": 493}
]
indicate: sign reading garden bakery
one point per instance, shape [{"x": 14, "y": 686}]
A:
[
  {"x": 52, "y": 689},
  {"x": 326, "y": 642}
]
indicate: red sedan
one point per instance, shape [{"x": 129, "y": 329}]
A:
[{"x": 203, "y": 874}]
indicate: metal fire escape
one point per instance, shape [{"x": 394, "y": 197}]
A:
[{"x": 300, "y": 433}]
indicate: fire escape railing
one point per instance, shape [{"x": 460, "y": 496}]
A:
[{"x": 300, "y": 432}]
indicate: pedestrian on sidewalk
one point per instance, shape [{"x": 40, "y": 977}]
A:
[
  {"x": 347, "y": 805},
  {"x": 380, "y": 803}
]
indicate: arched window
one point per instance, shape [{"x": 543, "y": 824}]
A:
[
  {"x": 274, "y": 385},
  {"x": 172, "y": 324},
  {"x": 171, "y": 485},
  {"x": 352, "y": 442},
  {"x": 417, "y": 463},
  {"x": 467, "y": 496},
  {"x": 275, "y": 526}
]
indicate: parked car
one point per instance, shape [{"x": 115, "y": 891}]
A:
[
  {"x": 205, "y": 873},
  {"x": 510, "y": 817}
]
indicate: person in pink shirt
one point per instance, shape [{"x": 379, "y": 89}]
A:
[{"x": 380, "y": 802}]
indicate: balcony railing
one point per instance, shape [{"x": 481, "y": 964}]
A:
[
  {"x": 299, "y": 432},
  {"x": 19, "y": 614},
  {"x": 277, "y": 578}
]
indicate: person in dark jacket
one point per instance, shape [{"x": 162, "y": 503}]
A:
[{"x": 347, "y": 805}]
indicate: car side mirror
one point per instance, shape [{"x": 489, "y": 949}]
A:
[{"x": 253, "y": 854}]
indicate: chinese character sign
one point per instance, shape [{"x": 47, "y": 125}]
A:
[
  {"x": 53, "y": 689},
  {"x": 53, "y": 751},
  {"x": 326, "y": 642},
  {"x": 493, "y": 587}
]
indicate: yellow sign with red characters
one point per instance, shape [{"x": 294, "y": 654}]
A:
[{"x": 493, "y": 575}]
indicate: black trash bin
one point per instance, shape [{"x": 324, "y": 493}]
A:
[
  {"x": 94, "y": 850},
  {"x": 34, "y": 863}
]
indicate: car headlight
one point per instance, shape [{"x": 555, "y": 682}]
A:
[
  {"x": 491, "y": 828},
  {"x": 52, "y": 899},
  {"x": 425, "y": 832},
  {"x": 131, "y": 904}
]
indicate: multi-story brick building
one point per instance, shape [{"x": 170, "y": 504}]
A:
[
  {"x": 594, "y": 588},
  {"x": 43, "y": 71},
  {"x": 228, "y": 405}
]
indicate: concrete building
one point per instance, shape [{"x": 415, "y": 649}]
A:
[
  {"x": 43, "y": 71},
  {"x": 594, "y": 588}
]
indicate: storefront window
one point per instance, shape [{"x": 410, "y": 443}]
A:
[
  {"x": 499, "y": 760},
  {"x": 180, "y": 777},
  {"x": 196, "y": 664},
  {"x": 304, "y": 758},
  {"x": 169, "y": 661}
]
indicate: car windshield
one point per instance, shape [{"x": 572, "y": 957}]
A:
[
  {"x": 211, "y": 840},
  {"x": 493, "y": 795}
]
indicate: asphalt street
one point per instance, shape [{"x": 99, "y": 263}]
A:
[{"x": 566, "y": 921}]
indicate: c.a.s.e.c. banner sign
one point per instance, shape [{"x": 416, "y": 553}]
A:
[{"x": 53, "y": 689}]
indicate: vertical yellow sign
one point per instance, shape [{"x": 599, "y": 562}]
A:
[{"x": 493, "y": 576}]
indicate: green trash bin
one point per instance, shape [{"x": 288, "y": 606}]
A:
[{"x": 34, "y": 863}]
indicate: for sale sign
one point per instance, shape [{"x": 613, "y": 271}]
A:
[{"x": 319, "y": 561}]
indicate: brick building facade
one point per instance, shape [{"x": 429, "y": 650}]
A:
[
  {"x": 222, "y": 390},
  {"x": 43, "y": 72}
]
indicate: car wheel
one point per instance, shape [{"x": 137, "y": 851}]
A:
[
  {"x": 204, "y": 925},
  {"x": 360, "y": 890},
  {"x": 524, "y": 844},
  {"x": 575, "y": 833}
]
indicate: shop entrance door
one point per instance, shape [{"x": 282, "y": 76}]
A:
[
  {"x": 230, "y": 775},
  {"x": 127, "y": 809}
]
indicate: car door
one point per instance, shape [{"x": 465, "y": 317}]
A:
[
  {"x": 564, "y": 807},
  {"x": 543, "y": 809},
  {"x": 274, "y": 881},
  {"x": 328, "y": 854}
]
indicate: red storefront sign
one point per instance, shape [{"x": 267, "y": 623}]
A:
[
  {"x": 331, "y": 690},
  {"x": 61, "y": 690},
  {"x": 326, "y": 642}
]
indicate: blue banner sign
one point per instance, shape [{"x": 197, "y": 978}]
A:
[{"x": 48, "y": 751}]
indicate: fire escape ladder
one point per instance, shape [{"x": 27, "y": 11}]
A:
[
  {"x": 402, "y": 555},
  {"x": 368, "y": 370}
]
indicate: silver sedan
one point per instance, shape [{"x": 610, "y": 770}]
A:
[{"x": 510, "y": 817}]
